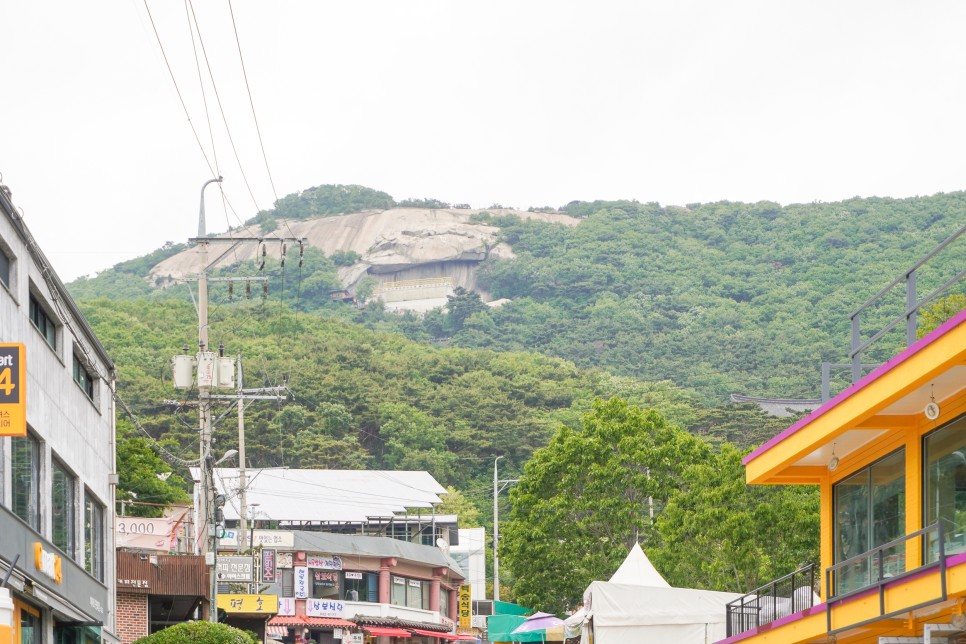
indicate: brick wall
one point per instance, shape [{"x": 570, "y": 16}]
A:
[{"x": 132, "y": 617}]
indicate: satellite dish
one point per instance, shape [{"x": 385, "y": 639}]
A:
[{"x": 931, "y": 411}]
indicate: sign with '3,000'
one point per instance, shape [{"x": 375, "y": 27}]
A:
[{"x": 13, "y": 400}]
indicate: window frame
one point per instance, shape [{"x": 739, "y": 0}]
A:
[
  {"x": 33, "y": 500},
  {"x": 7, "y": 273},
  {"x": 870, "y": 522},
  {"x": 87, "y": 383},
  {"x": 40, "y": 315},
  {"x": 930, "y": 549},
  {"x": 93, "y": 536},
  {"x": 69, "y": 511}
]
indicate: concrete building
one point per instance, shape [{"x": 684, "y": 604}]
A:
[{"x": 57, "y": 481}]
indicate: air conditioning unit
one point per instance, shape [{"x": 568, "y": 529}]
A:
[
  {"x": 483, "y": 607},
  {"x": 478, "y": 621}
]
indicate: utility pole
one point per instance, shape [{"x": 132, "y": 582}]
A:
[
  {"x": 216, "y": 371},
  {"x": 242, "y": 464},
  {"x": 496, "y": 525}
]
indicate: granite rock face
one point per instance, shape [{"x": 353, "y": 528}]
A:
[{"x": 393, "y": 245}]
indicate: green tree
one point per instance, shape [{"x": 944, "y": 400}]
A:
[
  {"x": 719, "y": 533},
  {"x": 940, "y": 311},
  {"x": 144, "y": 477},
  {"x": 583, "y": 500},
  {"x": 455, "y": 502}
]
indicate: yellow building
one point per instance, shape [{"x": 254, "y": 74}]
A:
[{"x": 889, "y": 457}]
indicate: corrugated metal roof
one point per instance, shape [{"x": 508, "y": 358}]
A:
[{"x": 351, "y": 496}]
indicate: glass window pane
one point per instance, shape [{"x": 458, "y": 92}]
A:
[
  {"x": 62, "y": 509},
  {"x": 4, "y": 269},
  {"x": 25, "y": 464},
  {"x": 945, "y": 487},
  {"x": 325, "y": 583},
  {"x": 93, "y": 537},
  {"x": 398, "y": 593}
]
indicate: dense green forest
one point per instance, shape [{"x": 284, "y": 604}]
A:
[
  {"x": 718, "y": 298},
  {"x": 662, "y": 311}
]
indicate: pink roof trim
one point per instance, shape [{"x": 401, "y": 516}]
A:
[{"x": 888, "y": 366}]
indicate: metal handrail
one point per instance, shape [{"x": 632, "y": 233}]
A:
[
  {"x": 913, "y": 305},
  {"x": 747, "y": 611},
  {"x": 881, "y": 581}
]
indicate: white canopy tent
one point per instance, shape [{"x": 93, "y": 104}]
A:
[{"x": 638, "y": 605}]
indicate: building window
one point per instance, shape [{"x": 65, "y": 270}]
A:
[
  {"x": 93, "y": 537},
  {"x": 361, "y": 586},
  {"x": 444, "y": 601},
  {"x": 325, "y": 583},
  {"x": 62, "y": 505},
  {"x": 43, "y": 323},
  {"x": 83, "y": 378},
  {"x": 4, "y": 269},
  {"x": 25, "y": 466},
  {"x": 398, "y": 593},
  {"x": 944, "y": 454},
  {"x": 869, "y": 510}
]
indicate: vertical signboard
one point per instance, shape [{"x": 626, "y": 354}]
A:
[
  {"x": 465, "y": 607},
  {"x": 268, "y": 566},
  {"x": 13, "y": 398},
  {"x": 301, "y": 582}
]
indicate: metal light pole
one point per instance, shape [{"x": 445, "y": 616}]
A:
[
  {"x": 496, "y": 530},
  {"x": 204, "y": 403}
]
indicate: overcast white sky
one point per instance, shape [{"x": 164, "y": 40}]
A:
[{"x": 523, "y": 103}]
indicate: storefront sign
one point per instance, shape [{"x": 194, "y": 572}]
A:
[
  {"x": 13, "y": 397},
  {"x": 465, "y": 607},
  {"x": 286, "y": 606},
  {"x": 353, "y": 575},
  {"x": 235, "y": 568},
  {"x": 415, "y": 583},
  {"x": 48, "y": 563},
  {"x": 325, "y": 563},
  {"x": 324, "y": 608},
  {"x": 284, "y": 560},
  {"x": 252, "y": 604},
  {"x": 268, "y": 566},
  {"x": 356, "y": 638},
  {"x": 301, "y": 582},
  {"x": 399, "y": 581}
]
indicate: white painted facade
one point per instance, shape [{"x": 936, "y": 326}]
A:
[{"x": 72, "y": 428}]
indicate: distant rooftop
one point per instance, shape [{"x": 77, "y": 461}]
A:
[{"x": 350, "y": 496}]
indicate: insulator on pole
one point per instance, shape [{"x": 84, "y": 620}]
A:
[
  {"x": 231, "y": 290},
  {"x": 265, "y": 290},
  {"x": 248, "y": 289}
]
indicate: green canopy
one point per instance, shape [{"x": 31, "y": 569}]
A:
[{"x": 499, "y": 627}]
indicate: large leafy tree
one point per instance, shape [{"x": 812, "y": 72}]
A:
[
  {"x": 719, "y": 533},
  {"x": 587, "y": 497}
]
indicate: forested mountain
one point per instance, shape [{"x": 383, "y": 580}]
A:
[
  {"x": 660, "y": 311},
  {"x": 720, "y": 298}
]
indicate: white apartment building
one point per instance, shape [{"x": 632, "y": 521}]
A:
[{"x": 57, "y": 482}]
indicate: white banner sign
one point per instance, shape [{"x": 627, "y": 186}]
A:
[
  {"x": 149, "y": 534},
  {"x": 301, "y": 582},
  {"x": 353, "y": 575},
  {"x": 286, "y": 606},
  {"x": 325, "y": 563},
  {"x": 263, "y": 538},
  {"x": 324, "y": 608}
]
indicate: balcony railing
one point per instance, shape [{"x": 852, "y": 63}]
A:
[
  {"x": 783, "y": 597},
  {"x": 884, "y": 565}
]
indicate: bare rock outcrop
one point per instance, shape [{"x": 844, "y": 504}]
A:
[{"x": 393, "y": 245}]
